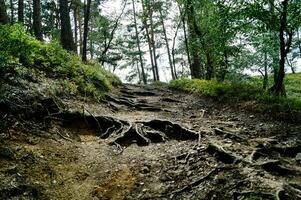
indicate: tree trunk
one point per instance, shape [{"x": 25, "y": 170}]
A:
[
  {"x": 299, "y": 41},
  {"x": 37, "y": 21},
  {"x": 193, "y": 40},
  {"x": 21, "y": 11},
  {"x": 167, "y": 46},
  {"x": 75, "y": 27},
  {"x": 278, "y": 87},
  {"x": 265, "y": 77},
  {"x": 139, "y": 48},
  {"x": 79, "y": 18},
  {"x": 152, "y": 32},
  {"x": 144, "y": 21},
  {"x": 183, "y": 15},
  {"x": 209, "y": 73},
  {"x": 12, "y": 10},
  {"x": 86, "y": 23},
  {"x": 173, "y": 49},
  {"x": 66, "y": 32},
  {"x": 3, "y": 14}
]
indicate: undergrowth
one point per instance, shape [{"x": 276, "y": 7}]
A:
[
  {"x": 247, "y": 91},
  {"x": 26, "y": 57}
]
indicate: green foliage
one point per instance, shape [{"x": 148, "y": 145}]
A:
[
  {"x": 25, "y": 54},
  {"x": 245, "y": 91},
  {"x": 214, "y": 88}
]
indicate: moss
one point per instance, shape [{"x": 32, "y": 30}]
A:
[{"x": 24, "y": 53}]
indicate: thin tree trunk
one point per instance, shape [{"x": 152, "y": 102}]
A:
[
  {"x": 12, "y": 10},
  {"x": 173, "y": 49},
  {"x": 21, "y": 11},
  {"x": 37, "y": 21},
  {"x": 167, "y": 46},
  {"x": 265, "y": 77},
  {"x": 86, "y": 23},
  {"x": 75, "y": 27},
  {"x": 3, "y": 14},
  {"x": 138, "y": 46},
  {"x": 209, "y": 66},
  {"x": 152, "y": 32},
  {"x": 183, "y": 15},
  {"x": 144, "y": 21},
  {"x": 80, "y": 31},
  {"x": 112, "y": 34},
  {"x": 299, "y": 41}
]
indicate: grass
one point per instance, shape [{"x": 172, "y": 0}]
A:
[
  {"x": 248, "y": 91},
  {"x": 24, "y": 56}
]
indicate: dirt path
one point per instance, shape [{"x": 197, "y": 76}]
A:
[{"x": 152, "y": 143}]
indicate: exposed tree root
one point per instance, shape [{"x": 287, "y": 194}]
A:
[
  {"x": 172, "y": 130},
  {"x": 200, "y": 180},
  {"x": 131, "y": 104},
  {"x": 138, "y": 93},
  {"x": 275, "y": 167},
  {"x": 230, "y": 135},
  {"x": 253, "y": 194},
  {"x": 220, "y": 154}
]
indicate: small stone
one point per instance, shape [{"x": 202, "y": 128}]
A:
[
  {"x": 145, "y": 170},
  {"x": 7, "y": 153},
  {"x": 298, "y": 157}
]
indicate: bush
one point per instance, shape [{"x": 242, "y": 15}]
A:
[
  {"x": 249, "y": 91},
  {"x": 17, "y": 48}
]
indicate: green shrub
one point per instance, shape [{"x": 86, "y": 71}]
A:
[
  {"x": 17, "y": 48},
  {"x": 249, "y": 91}
]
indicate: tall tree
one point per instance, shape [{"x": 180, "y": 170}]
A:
[
  {"x": 21, "y": 11},
  {"x": 3, "y": 14},
  {"x": 66, "y": 32},
  {"x": 193, "y": 34},
  {"x": 138, "y": 45},
  {"x": 86, "y": 28},
  {"x": 37, "y": 20},
  {"x": 162, "y": 17}
]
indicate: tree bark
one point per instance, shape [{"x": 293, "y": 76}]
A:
[
  {"x": 79, "y": 17},
  {"x": 167, "y": 46},
  {"x": 66, "y": 32},
  {"x": 37, "y": 21},
  {"x": 75, "y": 27},
  {"x": 86, "y": 23},
  {"x": 3, "y": 14},
  {"x": 12, "y": 10},
  {"x": 193, "y": 40},
  {"x": 21, "y": 11},
  {"x": 138, "y": 46},
  {"x": 152, "y": 32},
  {"x": 183, "y": 15},
  {"x": 278, "y": 87},
  {"x": 144, "y": 21}
]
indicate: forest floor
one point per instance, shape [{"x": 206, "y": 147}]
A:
[{"x": 150, "y": 142}]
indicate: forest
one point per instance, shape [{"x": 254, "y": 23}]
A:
[{"x": 150, "y": 99}]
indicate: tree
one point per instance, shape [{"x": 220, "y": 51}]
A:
[
  {"x": 138, "y": 45},
  {"x": 3, "y": 14},
  {"x": 161, "y": 6},
  {"x": 86, "y": 24},
  {"x": 21, "y": 11},
  {"x": 66, "y": 32},
  {"x": 37, "y": 20}
]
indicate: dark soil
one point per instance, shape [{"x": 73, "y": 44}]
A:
[{"x": 147, "y": 142}]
